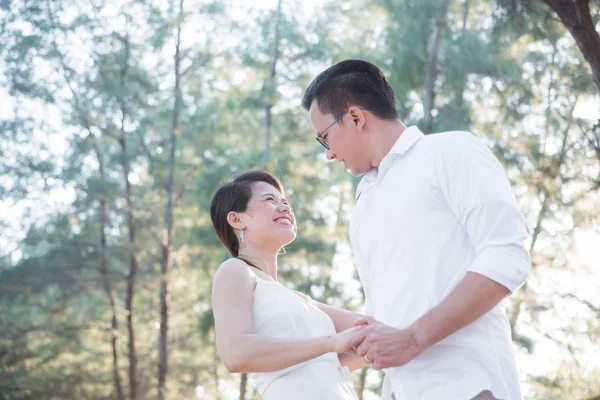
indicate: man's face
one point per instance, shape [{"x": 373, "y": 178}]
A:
[{"x": 345, "y": 138}]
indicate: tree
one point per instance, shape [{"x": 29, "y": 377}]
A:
[
  {"x": 576, "y": 16},
  {"x": 124, "y": 118},
  {"x": 541, "y": 144},
  {"x": 168, "y": 227}
]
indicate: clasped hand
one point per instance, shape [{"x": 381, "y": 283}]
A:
[{"x": 384, "y": 345}]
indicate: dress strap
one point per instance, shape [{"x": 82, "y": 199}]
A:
[
  {"x": 248, "y": 262},
  {"x": 254, "y": 266}
]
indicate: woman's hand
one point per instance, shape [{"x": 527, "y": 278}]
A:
[{"x": 340, "y": 342}]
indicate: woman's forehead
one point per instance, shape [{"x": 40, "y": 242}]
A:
[{"x": 261, "y": 188}]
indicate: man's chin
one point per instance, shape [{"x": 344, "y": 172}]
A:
[{"x": 356, "y": 172}]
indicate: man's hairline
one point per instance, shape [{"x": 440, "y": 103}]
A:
[{"x": 315, "y": 102}]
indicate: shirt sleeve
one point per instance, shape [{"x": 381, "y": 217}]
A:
[{"x": 475, "y": 187}]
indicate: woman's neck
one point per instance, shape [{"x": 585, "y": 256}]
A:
[{"x": 265, "y": 260}]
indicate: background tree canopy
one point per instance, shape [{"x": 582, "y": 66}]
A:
[{"x": 118, "y": 121}]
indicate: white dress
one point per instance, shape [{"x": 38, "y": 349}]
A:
[{"x": 280, "y": 313}]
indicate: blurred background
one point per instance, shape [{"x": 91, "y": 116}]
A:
[{"x": 119, "y": 119}]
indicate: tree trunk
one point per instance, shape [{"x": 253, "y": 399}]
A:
[
  {"x": 559, "y": 160},
  {"x": 465, "y": 15},
  {"x": 105, "y": 278},
  {"x": 215, "y": 374},
  {"x": 271, "y": 85},
  {"x": 133, "y": 263},
  {"x": 362, "y": 384},
  {"x": 168, "y": 227},
  {"x": 576, "y": 16},
  {"x": 363, "y": 372},
  {"x": 432, "y": 66},
  {"x": 521, "y": 296},
  {"x": 103, "y": 219},
  {"x": 243, "y": 384}
]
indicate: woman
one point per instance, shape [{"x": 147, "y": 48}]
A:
[{"x": 294, "y": 345}]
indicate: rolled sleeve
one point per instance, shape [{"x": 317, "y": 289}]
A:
[
  {"x": 498, "y": 235},
  {"x": 477, "y": 190}
]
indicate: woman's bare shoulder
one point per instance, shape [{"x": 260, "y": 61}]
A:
[{"x": 234, "y": 269}]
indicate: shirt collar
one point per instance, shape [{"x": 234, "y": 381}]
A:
[{"x": 406, "y": 140}]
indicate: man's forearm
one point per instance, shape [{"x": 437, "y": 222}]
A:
[{"x": 474, "y": 296}]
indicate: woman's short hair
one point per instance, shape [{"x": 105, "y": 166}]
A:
[{"x": 234, "y": 195}]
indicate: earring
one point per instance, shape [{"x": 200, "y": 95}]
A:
[
  {"x": 241, "y": 235},
  {"x": 283, "y": 248}
]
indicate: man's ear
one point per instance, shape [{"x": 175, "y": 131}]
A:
[
  {"x": 235, "y": 220},
  {"x": 357, "y": 116}
]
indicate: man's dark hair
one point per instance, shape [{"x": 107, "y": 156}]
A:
[{"x": 352, "y": 82}]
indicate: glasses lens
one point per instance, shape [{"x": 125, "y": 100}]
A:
[{"x": 323, "y": 143}]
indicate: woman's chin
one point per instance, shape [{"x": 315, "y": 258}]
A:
[{"x": 285, "y": 238}]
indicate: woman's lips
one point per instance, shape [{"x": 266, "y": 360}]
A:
[{"x": 284, "y": 220}]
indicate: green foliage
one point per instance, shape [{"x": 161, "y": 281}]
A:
[{"x": 78, "y": 75}]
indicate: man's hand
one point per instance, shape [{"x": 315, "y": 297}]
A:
[
  {"x": 388, "y": 347},
  {"x": 385, "y": 346}
]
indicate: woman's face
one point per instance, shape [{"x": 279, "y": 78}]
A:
[{"x": 269, "y": 218}]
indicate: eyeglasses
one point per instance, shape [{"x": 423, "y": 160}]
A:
[{"x": 323, "y": 139}]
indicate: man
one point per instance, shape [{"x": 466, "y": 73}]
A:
[{"x": 438, "y": 239}]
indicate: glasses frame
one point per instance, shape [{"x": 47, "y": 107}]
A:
[{"x": 321, "y": 139}]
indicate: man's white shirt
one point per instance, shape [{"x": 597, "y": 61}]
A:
[{"x": 437, "y": 207}]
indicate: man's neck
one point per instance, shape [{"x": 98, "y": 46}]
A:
[{"x": 387, "y": 136}]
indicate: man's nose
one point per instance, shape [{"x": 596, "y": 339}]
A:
[{"x": 330, "y": 155}]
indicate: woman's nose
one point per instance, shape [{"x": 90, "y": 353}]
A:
[{"x": 330, "y": 155}]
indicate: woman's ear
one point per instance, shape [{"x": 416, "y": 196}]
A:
[{"x": 235, "y": 220}]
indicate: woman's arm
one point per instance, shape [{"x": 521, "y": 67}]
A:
[
  {"x": 240, "y": 349},
  {"x": 352, "y": 361},
  {"x": 342, "y": 320}
]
